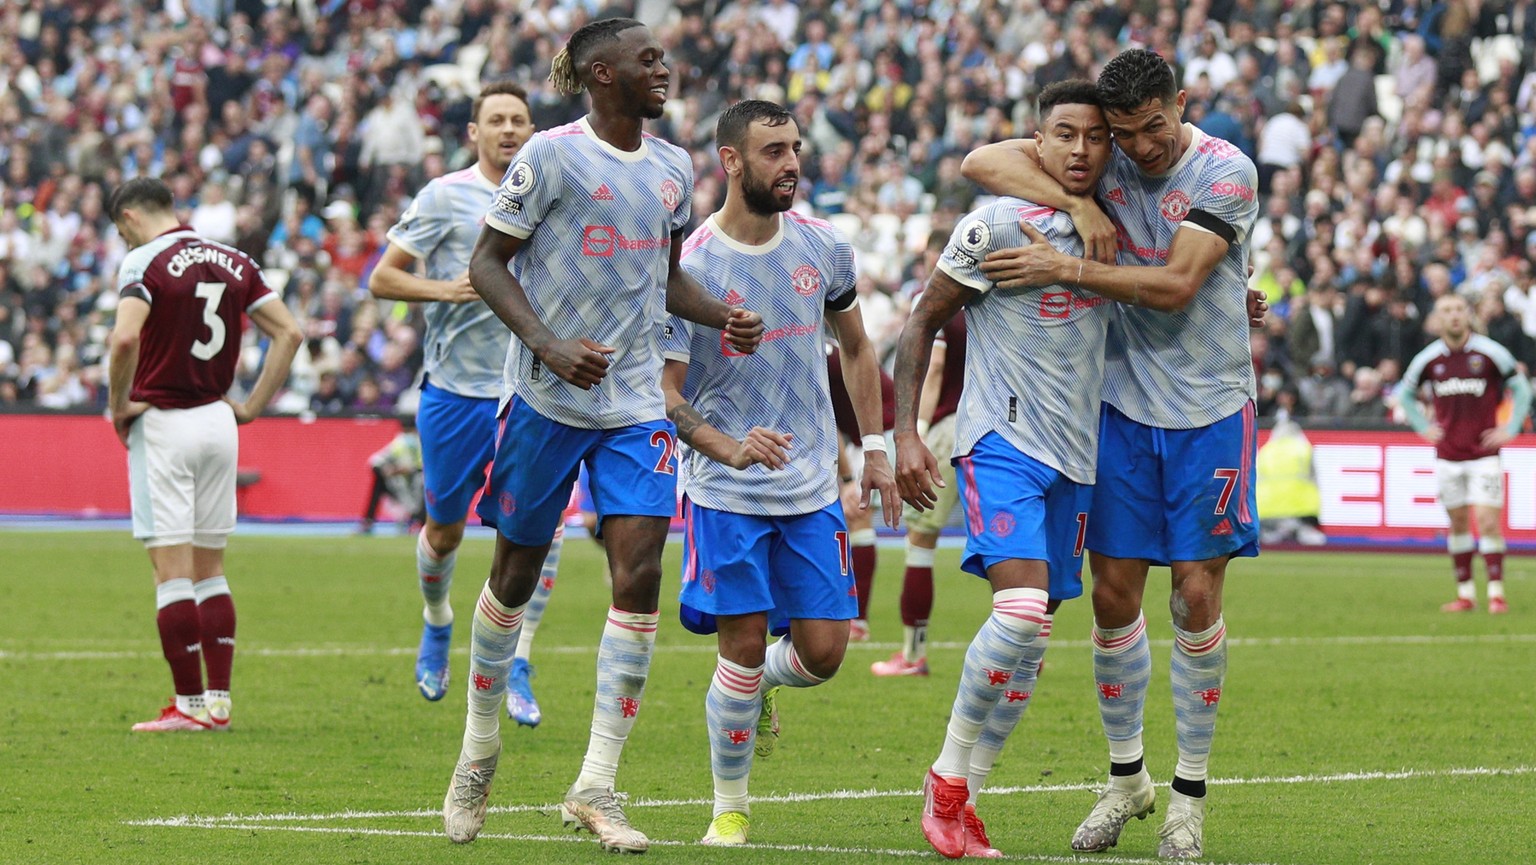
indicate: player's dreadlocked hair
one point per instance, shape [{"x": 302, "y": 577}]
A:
[
  {"x": 1073, "y": 91},
  {"x": 564, "y": 70},
  {"x": 731, "y": 129},
  {"x": 1133, "y": 77}
]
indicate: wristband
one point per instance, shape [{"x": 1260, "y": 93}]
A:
[{"x": 873, "y": 442}]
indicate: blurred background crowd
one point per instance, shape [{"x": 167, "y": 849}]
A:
[{"x": 1396, "y": 144}]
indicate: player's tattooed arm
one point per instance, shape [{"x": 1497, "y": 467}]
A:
[
  {"x": 1013, "y": 168},
  {"x": 581, "y": 362},
  {"x": 688, "y": 299},
  {"x": 916, "y": 469},
  {"x": 761, "y": 446},
  {"x": 861, "y": 376}
]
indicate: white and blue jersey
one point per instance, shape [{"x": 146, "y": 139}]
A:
[
  {"x": 1191, "y": 368},
  {"x": 599, "y": 225},
  {"x": 758, "y": 540},
  {"x": 792, "y": 280},
  {"x": 1036, "y": 358},
  {"x": 465, "y": 344}
]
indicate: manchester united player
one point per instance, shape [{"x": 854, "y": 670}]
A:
[
  {"x": 1467, "y": 374},
  {"x": 174, "y": 349}
]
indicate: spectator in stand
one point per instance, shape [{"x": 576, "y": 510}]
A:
[{"x": 1365, "y": 401}]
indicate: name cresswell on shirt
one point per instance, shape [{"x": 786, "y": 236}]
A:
[
  {"x": 603, "y": 241},
  {"x": 1061, "y": 304},
  {"x": 770, "y": 336},
  {"x": 204, "y": 254}
]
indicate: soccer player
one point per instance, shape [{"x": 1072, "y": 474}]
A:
[
  {"x": 765, "y": 532},
  {"x": 590, "y": 217},
  {"x": 1177, "y": 440},
  {"x": 1468, "y": 374},
  {"x": 1024, "y": 445},
  {"x": 936, "y": 427},
  {"x": 465, "y": 346},
  {"x": 174, "y": 349}
]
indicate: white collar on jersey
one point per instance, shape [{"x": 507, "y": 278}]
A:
[
  {"x": 622, "y": 155},
  {"x": 747, "y": 248}
]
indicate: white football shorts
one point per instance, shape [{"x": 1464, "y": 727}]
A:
[
  {"x": 1471, "y": 482},
  {"x": 181, "y": 475}
]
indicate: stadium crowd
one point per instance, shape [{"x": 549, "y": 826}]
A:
[{"x": 1396, "y": 143}]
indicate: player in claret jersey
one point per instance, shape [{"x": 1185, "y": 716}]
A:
[
  {"x": 1024, "y": 449},
  {"x": 589, "y": 218},
  {"x": 765, "y": 536},
  {"x": 1467, "y": 375},
  {"x": 1177, "y": 442},
  {"x": 174, "y": 349},
  {"x": 465, "y": 347}
]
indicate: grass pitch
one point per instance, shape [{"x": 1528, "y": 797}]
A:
[{"x": 1359, "y": 725}]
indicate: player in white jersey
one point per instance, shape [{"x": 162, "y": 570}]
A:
[
  {"x": 589, "y": 217},
  {"x": 1177, "y": 441},
  {"x": 765, "y": 536},
  {"x": 1024, "y": 451},
  {"x": 465, "y": 347}
]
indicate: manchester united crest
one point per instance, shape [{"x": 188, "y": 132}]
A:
[
  {"x": 1175, "y": 206},
  {"x": 671, "y": 195},
  {"x": 806, "y": 280}
]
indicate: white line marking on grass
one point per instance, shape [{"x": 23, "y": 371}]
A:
[
  {"x": 833, "y": 795},
  {"x": 367, "y": 651}
]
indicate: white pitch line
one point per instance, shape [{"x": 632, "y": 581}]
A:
[
  {"x": 835, "y": 795},
  {"x": 366, "y": 651}
]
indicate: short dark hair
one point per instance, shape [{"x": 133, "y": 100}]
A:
[
  {"x": 504, "y": 87},
  {"x": 731, "y": 128},
  {"x": 1133, "y": 77},
  {"x": 567, "y": 72},
  {"x": 149, "y": 193},
  {"x": 1073, "y": 91}
]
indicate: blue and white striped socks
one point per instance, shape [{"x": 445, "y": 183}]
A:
[
  {"x": 1199, "y": 666},
  {"x": 731, "y": 709},
  {"x": 541, "y": 590},
  {"x": 493, "y": 637},
  {"x": 435, "y": 574},
  {"x": 1008, "y": 711},
  {"x": 623, "y": 664},
  {"x": 1122, "y": 669}
]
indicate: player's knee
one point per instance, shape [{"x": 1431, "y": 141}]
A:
[
  {"x": 1195, "y": 607},
  {"x": 443, "y": 539},
  {"x": 1114, "y": 605},
  {"x": 821, "y": 660}
]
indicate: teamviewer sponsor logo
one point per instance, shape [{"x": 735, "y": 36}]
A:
[
  {"x": 598, "y": 240},
  {"x": 1056, "y": 304}
]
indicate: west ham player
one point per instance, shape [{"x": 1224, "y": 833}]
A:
[
  {"x": 861, "y": 523},
  {"x": 1177, "y": 442},
  {"x": 465, "y": 346},
  {"x": 1467, "y": 374},
  {"x": 936, "y": 427},
  {"x": 1024, "y": 449},
  {"x": 174, "y": 349},
  {"x": 765, "y": 532},
  {"x": 590, "y": 218}
]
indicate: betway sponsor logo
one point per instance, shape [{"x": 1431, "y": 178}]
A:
[
  {"x": 204, "y": 255},
  {"x": 603, "y": 241},
  {"x": 1460, "y": 387},
  {"x": 770, "y": 336}
]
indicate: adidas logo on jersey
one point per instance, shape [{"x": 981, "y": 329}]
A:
[
  {"x": 734, "y": 298},
  {"x": 602, "y": 193},
  {"x": 1222, "y": 528}
]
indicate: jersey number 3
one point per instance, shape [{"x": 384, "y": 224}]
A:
[{"x": 211, "y": 293}]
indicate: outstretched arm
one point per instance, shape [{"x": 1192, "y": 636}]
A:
[
  {"x": 393, "y": 279},
  {"x": 764, "y": 446},
  {"x": 687, "y": 298},
  {"x": 1013, "y": 168},
  {"x": 916, "y": 468},
  {"x": 1167, "y": 288}
]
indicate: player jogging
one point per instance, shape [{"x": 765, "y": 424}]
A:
[
  {"x": 174, "y": 349},
  {"x": 1177, "y": 442},
  {"x": 464, "y": 349},
  {"x": 589, "y": 217},
  {"x": 1468, "y": 374},
  {"x": 1024, "y": 451},
  {"x": 764, "y": 533}
]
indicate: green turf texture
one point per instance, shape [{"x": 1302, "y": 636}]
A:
[{"x": 1339, "y": 664}]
